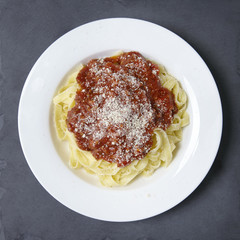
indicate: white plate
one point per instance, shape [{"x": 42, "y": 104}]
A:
[{"x": 145, "y": 197}]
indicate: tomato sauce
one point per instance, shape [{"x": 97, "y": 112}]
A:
[{"x": 119, "y": 104}]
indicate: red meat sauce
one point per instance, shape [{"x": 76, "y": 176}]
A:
[{"x": 119, "y": 104}]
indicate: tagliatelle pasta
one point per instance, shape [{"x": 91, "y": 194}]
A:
[{"x": 109, "y": 173}]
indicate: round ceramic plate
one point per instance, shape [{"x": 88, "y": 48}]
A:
[{"x": 145, "y": 196}]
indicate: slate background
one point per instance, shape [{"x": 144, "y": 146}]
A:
[{"x": 28, "y": 212}]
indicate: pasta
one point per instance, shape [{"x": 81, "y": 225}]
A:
[{"x": 109, "y": 174}]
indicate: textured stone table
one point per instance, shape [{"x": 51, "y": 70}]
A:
[{"x": 28, "y": 212}]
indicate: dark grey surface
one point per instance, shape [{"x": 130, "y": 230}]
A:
[{"x": 28, "y": 212}]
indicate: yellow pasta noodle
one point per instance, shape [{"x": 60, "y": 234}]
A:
[{"x": 109, "y": 174}]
